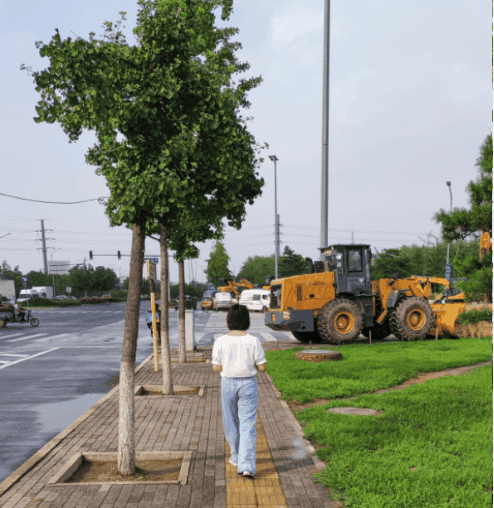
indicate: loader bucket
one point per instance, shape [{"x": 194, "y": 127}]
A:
[{"x": 447, "y": 316}]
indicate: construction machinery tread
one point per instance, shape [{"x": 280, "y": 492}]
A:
[
  {"x": 351, "y": 315},
  {"x": 412, "y": 319}
]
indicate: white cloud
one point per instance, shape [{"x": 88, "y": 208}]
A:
[{"x": 287, "y": 28}]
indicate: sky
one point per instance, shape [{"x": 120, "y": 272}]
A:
[{"x": 410, "y": 103}]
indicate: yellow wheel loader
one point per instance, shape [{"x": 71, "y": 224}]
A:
[{"x": 337, "y": 301}]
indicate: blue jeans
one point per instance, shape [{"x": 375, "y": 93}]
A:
[{"x": 239, "y": 405}]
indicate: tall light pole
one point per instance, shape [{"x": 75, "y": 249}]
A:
[
  {"x": 276, "y": 230},
  {"x": 448, "y": 266},
  {"x": 450, "y": 210},
  {"x": 325, "y": 130}
]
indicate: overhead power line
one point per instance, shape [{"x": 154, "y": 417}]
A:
[{"x": 53, "y": 202}]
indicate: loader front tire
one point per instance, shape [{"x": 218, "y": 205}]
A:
[
  {"x": 340, "y": 321},
  {"x": 412, "y": 319}
]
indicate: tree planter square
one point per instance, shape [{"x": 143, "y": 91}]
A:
[
  {"x": 178, "y": 390},
  {"x": 100, "y": 468}
]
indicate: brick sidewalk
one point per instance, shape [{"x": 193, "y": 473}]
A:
[{"x": 285, "y": 460}]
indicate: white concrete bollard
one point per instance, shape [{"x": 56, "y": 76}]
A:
[{"x": 190, "y": 340}]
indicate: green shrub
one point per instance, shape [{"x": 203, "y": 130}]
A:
[
  {"x": 474, "y": 316},
  {"x": 47, "y": 302},
  {"x": 94, "y": 299},
  {"x": 122, "y": 293}
]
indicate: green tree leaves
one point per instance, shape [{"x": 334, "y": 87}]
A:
[
  {"x": 218, "y": 264},
  {"x": 390, "y": 264},
  {"x": 256, "y": 268},
  {"x": 291, "y": 264}
]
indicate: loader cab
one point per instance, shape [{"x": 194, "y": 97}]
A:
[{"x": 351, "y": 265}]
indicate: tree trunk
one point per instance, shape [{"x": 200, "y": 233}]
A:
[
  {"x": 126, "y": 430},
  {"x": 181, "y": 312},
  {"x": 165, "y": 338}
]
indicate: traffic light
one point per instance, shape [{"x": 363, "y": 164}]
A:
[
  {"x": 118, "y": 254},
  {"x": 90, "y": 254}
]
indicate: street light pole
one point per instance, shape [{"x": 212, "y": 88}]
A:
[
  {"x": 325, "y": 129},
  {"x": 450, "y": 210},
  {"x": 276, "y": 230}
]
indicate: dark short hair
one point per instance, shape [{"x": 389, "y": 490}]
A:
[{"x": 238, "y": 317}]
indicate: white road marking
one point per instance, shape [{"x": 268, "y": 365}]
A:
[
  {"x": 13, "y": 335},
  {"x": 28, "y": 358},
  {"x": 11, "y": 354},
  {"x": 269, "y": 337},
  {"x": 30, "y": 337}
]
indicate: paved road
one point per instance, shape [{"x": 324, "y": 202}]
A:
[{"x": 52, "y": 374}]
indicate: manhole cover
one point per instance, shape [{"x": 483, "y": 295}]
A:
[
  {"x": 318, "y": 355},
  {"x": 354, "y": 411}
]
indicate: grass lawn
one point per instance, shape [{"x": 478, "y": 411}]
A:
[{"x": 432, "y": 445}]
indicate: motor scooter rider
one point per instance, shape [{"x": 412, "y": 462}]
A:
[
  {"x": 20, "y": 311},
  {"x": 149, "y": 319}
]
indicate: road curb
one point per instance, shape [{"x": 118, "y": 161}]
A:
[
  {"x": 34, "y": 459},
  {"x": 297, "y": 427}
]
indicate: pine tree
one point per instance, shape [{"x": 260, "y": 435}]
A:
[
  {"x": 463, "y": 224},
  {"x": 291, "y": 264}
]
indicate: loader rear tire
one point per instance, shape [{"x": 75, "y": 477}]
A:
[
  {"x": 340, "y": 321},
  {"x": 412, "y": 319},
  {"x": 306, "y": 337}
]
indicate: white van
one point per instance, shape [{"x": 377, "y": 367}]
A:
[
  {"x": 255, "y": 299},
  {"x": 28, "y": 294}
]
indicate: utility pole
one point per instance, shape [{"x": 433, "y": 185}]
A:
[
  {"x": 43, "y": 240},
  {"x": 352, "y": 237},
  {"x": 325, "y": 131}
]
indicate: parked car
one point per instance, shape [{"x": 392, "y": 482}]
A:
[
  {"x": 207, "y": 300},
  {"x": 71, "y": 298},
  {"x": 61, "y": 297},
  {"x": 190, "y": 302},
  {"x": 222, "y": 300}
]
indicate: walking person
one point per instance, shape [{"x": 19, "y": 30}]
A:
[{"x": 236, "y": 356}]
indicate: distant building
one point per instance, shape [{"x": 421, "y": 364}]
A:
[{"x": 58, "y": 267}]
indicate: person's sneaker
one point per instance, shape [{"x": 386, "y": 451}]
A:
[{"x": 247, "y": 474}]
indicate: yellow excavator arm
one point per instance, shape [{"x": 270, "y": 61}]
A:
[{"x": 485, "y": 244}]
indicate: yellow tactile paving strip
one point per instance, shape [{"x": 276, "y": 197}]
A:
[{"x": 265, "y": 489}]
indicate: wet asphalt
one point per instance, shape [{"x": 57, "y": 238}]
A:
[{"x": 52, "y": 374}]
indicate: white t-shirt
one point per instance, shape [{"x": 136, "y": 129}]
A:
[{"x": 238, "y": 355}]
